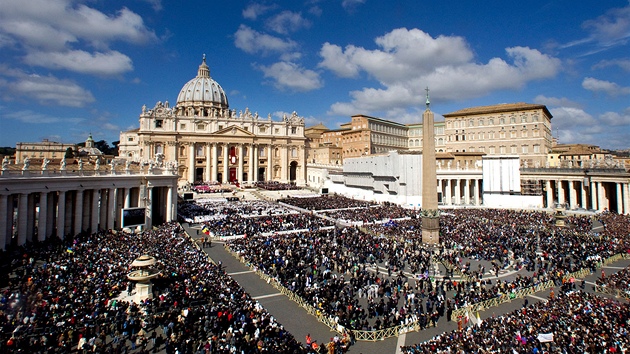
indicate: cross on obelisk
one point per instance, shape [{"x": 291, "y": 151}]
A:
[{"x": 430, "y": 212}]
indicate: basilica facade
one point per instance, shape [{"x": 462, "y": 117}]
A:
[{"x": 209, "y": 142}]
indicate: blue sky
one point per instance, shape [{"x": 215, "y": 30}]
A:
[{"x": 69, "y": 68}]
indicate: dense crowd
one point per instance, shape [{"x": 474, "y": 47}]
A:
[
  {"x": 575, "y": 322},
  {"x": 276, "y": 186},
  {"x": 67, "y": 296},
  {"x": 330, "y": 201},
  {"x": 375, "y": 213},
  {"x": 618, "y": 281}
]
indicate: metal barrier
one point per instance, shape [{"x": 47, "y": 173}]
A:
[{"x": 618, "y": 293}]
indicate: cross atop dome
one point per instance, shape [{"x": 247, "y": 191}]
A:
[{"x": 204, "y": 70}]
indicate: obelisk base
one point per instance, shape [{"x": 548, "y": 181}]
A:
[{"x": 430, "y": 230}]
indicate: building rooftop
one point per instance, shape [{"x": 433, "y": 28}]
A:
[{"x": 499, "y": 108}]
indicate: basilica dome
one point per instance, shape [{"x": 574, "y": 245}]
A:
[{"x": 202, "y": 90}]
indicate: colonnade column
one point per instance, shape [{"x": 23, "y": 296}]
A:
[
  {"x": 619, "y": 199},
  {"x": 584, "y": 200},
  {"x": 30, "y": 217},
  {"x": 42, "y": 217},
  {"x": 95, "y": 211},
  {"x": 103, "y": 209},
  {"x": 127, "y": 197},
  {"x": 111, "y": 208},
  {"x": 549, "y": 193},
  {"x": 270, "y": 163},
  {"x": 208, "y": 162},
  {"x": 439, "y": 190},
  {"x": 4, "y": 214},
  {"x": 447, "y": 187},
  {"x": 477, "y": 191},
  {"x": 226, "y": 169},
  {"x": 626, "y": 198},
  {"x": 149, "y": 209},
  {"x": 594, "y": 199},
  {"x": 600, "y": 196},
  {"x": 572, "y": 195},
  {"x": 191, "y": 163},
  {"x": 61, "y": 215},
  {"x": 239, "y": 174},
  {"x": 560, "y": 192},
  {"x": 169, "y": 201},
  {"x": 78, "y": 212},
  {"x": 466, "y": 191},
  {"x": 215, "y": 162},
  {"x": 22, "y": 218},
  {"x": 458, "y": 192}
]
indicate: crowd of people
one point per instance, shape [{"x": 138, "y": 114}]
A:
[
  {"x": 575, "y": 322},
  {"x": 617, "y": 281},
  {"x": 276, "y": 186},
  {"x": 380, "y": 213},
  {"x": 71, "y": 296},
  {"x": 325, "y": 202}
]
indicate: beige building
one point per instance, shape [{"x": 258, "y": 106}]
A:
[
  {"x": 41, "y": 150},
  {"x": 521, "y": 129},
  {"x": 209, "y": 142}
]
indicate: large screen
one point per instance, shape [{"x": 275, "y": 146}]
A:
[{"x": 133, "y": 217}]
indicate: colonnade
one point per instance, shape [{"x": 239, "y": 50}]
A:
[
  {"x": 585, "y": 193},
  {"x": 37, "y": 208},
  {"x": 461, "y": 190}
]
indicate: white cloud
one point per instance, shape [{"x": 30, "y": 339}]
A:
[
  {"x": 624, "y": 64},
  {"x": 31, "y": 117},
  {"x": 606, "y": 31},
  {"x": 410, "y": 60},
  {"x": 610, "y": 88},
  {"x": 110, "y": 63},
  {"x": 574, "y": 125},
  {"x": 556, "y": 102},
  {"x": 286, "y": 75},
  {"x": 288, "y": 21},
  {"x": 252, "y": 11},
  {"x": 155, "y": 4},
  {"x": 45, "y": 90},
  {"x": 616, "y": 119},
  {"x": 351, "y": 5},
  {"x": 60, "y": 34},
  {"x": 251, "y": 41}
]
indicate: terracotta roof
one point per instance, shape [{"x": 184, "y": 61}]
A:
[{"x": 499, "y": 108}]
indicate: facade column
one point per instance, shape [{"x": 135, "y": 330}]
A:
[
  {"x": 284, "y": 163},
  {"x": 42, "y": 217},
  {"x": 594, "y": 198},
  {"x": 560, "y": 192},
  {"x": 619, "y": 199},
  {"x": 95, "y": 212},
  {"x": 61, "y": 215},
  {"x": 208, "y": 173},
  {"x": 584, "y": 204},
  {"x": 477, "y": 199},
  {"x": 78, "y": 212},
  {"x": 250, "y": 163},
  {"x": 239, "y": 174},
  {"x": 215, "y": 163},
  {"x": 440, "y": 190},
  {"x": 572, "y": 195},
  {"x": 191, "y": 163},
  {"x": 111, "y": 208},
  {"x": 226, "y": 161},
  {"x": 4, "y": 215},
  {"x": 466, "y": 191},
  {"x": 447, "y": 187},
  {"x": 270, "y": 163},
  {"x": 255, "y": 152},
  {"x": 458, "y": 192},
  {"x": 22, "y": 218}
]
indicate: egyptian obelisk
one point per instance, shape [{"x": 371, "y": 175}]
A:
[{"x": 430, "y": 212}]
